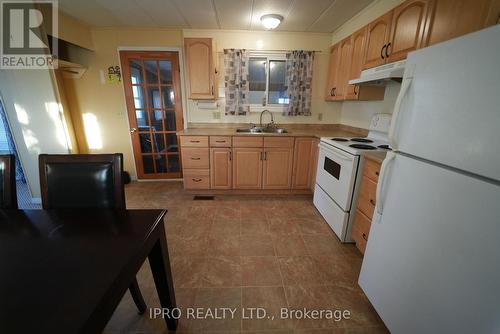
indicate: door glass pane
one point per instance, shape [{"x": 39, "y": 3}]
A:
[
  {"x": 154, "y": 97},
  {"x": 138, "y": 94},
  {"x": 257, "y": 79},
  {"x": 135, "y": 71},
  {"x": 151, "y": 68},
  {"x": 165, "y": 72},
  {"x": 168, "y": 97},
  {"x": 147, "y": 163},
  {"x": 161, "y": 164},
  {"x": 156, "y": 120},
  {"x": 170, "y": 121},
  {"x": 172, "y": 143},
  {"x": 277, "y": 93},
  {"x": 145, "y": 140},
  {"x": 159, "y": 142},
  {"x": 142, "y": 118},
  {"x": 173, "y": 163}
]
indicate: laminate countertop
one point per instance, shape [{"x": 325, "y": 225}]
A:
[{"x": 292, "y": 133}]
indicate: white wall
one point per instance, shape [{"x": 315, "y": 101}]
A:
[
  {"x": 35, "y": 118},
  {"x": 264, "y": 40},
  {"x": 358, "y": 114}
]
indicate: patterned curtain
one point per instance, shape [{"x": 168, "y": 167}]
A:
[
  {"x": 298, "y": 82},
  {"x": 236, "y": 81},
  {"x": 10, "y": 143}
]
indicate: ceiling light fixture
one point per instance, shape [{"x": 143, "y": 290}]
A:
[{"x": 271, "y": 21}]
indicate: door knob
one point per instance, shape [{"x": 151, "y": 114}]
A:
[{"x": 133, "y": 130}]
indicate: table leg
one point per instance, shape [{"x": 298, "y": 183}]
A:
[{"x": 160, "y": 267}]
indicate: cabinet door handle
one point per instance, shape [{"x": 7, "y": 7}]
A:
[
  {"x": 192, "y": 158},
  {"x": 212, "y": 90},
  {"x": 356, "y": 89},
  {"x": 377, "y": 173},
  {"x": 230, "y": 155},
  {"x": 372, "y": 202},
  {"x": 265, "y": 155},
  {"x": 334, "y": 89},
  {"x": 331, "y": 91},
  {"x": 382, "y": 51},
  {"x": 196, "y": 180},
  {"x": 387, "y": 50},
  {"x": 365, "y": 237}
]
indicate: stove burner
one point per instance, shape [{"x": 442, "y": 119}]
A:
[
  {"x": 340, "y": 139},
  {"x": 363, "y": 146},
  {"x": 362, "y": 140},
  {"x": 385, "y": 147}
]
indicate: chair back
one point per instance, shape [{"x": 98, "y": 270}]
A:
[
  {"x": 8, "y": 193},
  {"x": 82, "y": 181}
]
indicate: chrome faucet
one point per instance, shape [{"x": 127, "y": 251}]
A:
[{"x": 272, "y": 118}]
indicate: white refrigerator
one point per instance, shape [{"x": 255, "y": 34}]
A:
[{"x": 432, "y": 263}]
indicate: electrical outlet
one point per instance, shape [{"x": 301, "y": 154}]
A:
[
  {"x": 320, "y": 117},
  {"x": 216, "y": 115}
]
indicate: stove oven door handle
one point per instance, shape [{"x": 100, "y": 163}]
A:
[{"x": 382, "y": 180}]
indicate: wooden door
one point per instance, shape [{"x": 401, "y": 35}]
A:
[
  {"x": 200, "y": 71},
  {"x": 343, "y": 68},
  {"x": 358, "y": 51},
  {"x": 376, "y": 41},
  {"x": 303, "y": 162},
  {"x": 152, "y": 91},
  {"x": 220, "y": 168},
  {"x": 247, "y": 168},
  {"x": 278, "y": 163},
  {"x": 333, "y": 70},
  {"x": 453, "y": 18},
  {"x": 408, "y": 26}
]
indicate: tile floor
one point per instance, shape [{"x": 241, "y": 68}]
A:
[{"x": 249, "y": 251}]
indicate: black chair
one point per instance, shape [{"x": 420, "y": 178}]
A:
[
  {"x": 85, "y": 181},
  {"x": 8, "y": 193}
]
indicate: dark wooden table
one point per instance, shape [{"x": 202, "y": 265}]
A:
[{"x": 65, "y": 271}]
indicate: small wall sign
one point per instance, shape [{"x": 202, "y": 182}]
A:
[{"x": 114, "y": 75}]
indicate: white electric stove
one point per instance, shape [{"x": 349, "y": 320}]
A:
[{"x": 339, "y": 171}]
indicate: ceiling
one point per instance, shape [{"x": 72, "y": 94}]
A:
[{"x": 299, "y": 15}]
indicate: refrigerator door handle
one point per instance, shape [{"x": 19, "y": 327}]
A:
[
  {"x": 379, "y": 206},
  {"x": 405, "y": 85}
]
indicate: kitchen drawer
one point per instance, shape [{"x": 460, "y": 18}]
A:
[
  {"x": 372, "y": 170},
  {"x": 366, "y": 199},
  {"x": 220, "y": 141},
  {"x": 196, "y": 178},
  {"x": 361, "y": 230},
  {"x": 248, "y": 141},
  {"x": 195, "y": 158},
  {"x": 194, "y": 141},
  {"x": 278, "y": 142}
]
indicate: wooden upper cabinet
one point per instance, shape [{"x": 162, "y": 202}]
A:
[
  {"x": 453, "y": 18},
  {"x": 407, "y": 28},
  {"x": 277, "y": 168},
  {"x": 377, "y": 39},
  {"x": 333, "y": 71},
  {"x": 343, "y": 68},
  {"x": 220, "y": 168},
  {"x": 200, "y": 68},
  {"x": 247, "y": 168},
  {"x": 358, "y": 49}
]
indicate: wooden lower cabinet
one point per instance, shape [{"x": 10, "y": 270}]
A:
[
  {"x": 247, "y": 167},
  {"x": 366, "y": 204},
  {"x": 221, "y": 168},
  {"x": 277, "y": 168},
  {"x": 304, "y": 162}
]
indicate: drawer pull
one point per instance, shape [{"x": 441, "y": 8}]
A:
[
  {"x": 220, "y": 141},
  {"x": 365, "y": 237},
  {"x": 377, "y": 173},
  {"x": 194, "y": 141},
  {"x": 195, "y": 158},
  {"x": 372, "y": 202},
  {"x": 196, "y": 180}
]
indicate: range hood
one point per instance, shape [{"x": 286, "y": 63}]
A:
[{"x": 380, "y": 74}]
